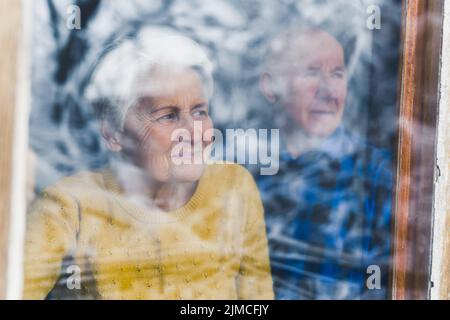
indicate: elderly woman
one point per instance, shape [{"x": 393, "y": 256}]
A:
[{"x": 161, "y": 222}]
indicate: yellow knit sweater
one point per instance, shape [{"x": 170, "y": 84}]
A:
[{"x": 214, "y": 247}]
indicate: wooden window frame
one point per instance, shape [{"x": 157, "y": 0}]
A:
[
  {"x": 10, "y": 40},
  {"x": 440, "y": 273},
  {"x": 418, "y": 109}
]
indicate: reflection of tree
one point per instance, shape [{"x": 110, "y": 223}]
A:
[
  {"x": 63, "y": 133},
  {"x": 69, "y": 54},
  {"x": 235, "y": 35},
  {"x": 75, "y": 142},
  {"x": 75, "y": 47},
  {"x": 67, "y": 116}
]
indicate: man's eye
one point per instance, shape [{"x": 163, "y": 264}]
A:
[
  {"x": 339, "y": 75},
  {"x": 311, "y": 72}
]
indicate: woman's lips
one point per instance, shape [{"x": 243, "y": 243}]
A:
[{"x": 195, "y": 151}]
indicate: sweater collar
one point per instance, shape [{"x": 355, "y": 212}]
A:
[
  {"x": 155, "y": 215},
  {"x": 338, "y": 144}
]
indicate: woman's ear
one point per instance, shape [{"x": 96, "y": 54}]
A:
[
  {"x": 267, "y": 87},
  {"x": 111, "y": 136}
]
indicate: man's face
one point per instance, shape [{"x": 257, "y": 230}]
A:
[{"x": 315, "y": 84}]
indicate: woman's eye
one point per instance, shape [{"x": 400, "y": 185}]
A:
[
  {"x": 200, "y": 113},
  {"x": 167, "y": 117}
]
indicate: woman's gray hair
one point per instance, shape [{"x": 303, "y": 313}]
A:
[{"x": 122, "y": 76}]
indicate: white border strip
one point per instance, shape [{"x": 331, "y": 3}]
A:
[
  {"x": 441, "y": 199},
  {"x": 14, "y": 275}
]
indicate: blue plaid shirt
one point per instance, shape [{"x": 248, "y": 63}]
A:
[{"x": 328, "y": 216}]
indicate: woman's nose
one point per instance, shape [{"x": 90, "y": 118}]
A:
[
  {"x": 186, "y": 122},
  {"x": 194, "y": 127}
]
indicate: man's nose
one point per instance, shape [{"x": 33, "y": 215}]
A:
[{"x": 325, "y": 89}]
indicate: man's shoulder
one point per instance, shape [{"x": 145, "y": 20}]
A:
[
  {"x": 376, "y": 162},
  {"x": 361, "y": 145}
]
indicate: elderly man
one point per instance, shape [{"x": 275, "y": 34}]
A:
[{"x": 329, "y": 208}]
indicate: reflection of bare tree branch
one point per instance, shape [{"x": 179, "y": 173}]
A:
[
  {"x": 76, "y": 46},
  {"x": 53, "y": 19},
  {"x": 157, "y": 17}
]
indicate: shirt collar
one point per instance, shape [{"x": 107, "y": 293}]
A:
[{"x": 340, "y": 143}]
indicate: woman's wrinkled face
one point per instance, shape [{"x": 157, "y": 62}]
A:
[{"x": 168, "y": 124}]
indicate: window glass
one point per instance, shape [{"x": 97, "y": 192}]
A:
[{"x": 212, "y": 149}]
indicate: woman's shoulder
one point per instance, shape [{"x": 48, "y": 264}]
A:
[
  {"x": 229, "y": 174},
  {"x": 236, "y": 184},
  {"x": 76, "y": 185},
  {"x": 228, "y": 168},
  {"x": 63, "y": 198}
]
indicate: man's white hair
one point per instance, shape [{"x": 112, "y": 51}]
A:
[{"x": 121, "y": 77}]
